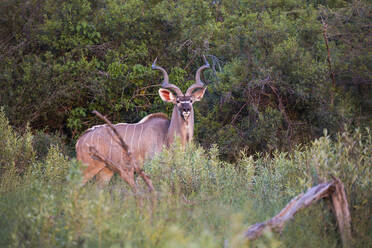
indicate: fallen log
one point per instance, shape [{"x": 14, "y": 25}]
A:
[
  {"x": 340, "y": 207},
  {"x": 334, "y": 189}
]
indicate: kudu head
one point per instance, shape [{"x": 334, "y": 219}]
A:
[{"x": 183, "y": 102}]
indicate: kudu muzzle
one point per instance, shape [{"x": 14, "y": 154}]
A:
[{"x": 185, "y": 109}]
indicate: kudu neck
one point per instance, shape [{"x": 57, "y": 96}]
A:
[{"x": 184, "y": 129}]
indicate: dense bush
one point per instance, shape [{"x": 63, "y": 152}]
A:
[
  {"x": 269, "y": 87},
  {"x": 271, "y": 95},
  {"x": 16, "y": 151},
  {"x": 202, "y": 200}
]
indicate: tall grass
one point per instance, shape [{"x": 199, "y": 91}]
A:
[{"x": 202, "y": 201}]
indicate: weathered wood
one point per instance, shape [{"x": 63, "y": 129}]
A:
[
  {"x": 287, "y": 213},
  {"x": 341, "y": 210},
  {"x": 334, "y": 189}
]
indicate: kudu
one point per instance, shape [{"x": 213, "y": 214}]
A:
[{"x": 145, "y": 138}]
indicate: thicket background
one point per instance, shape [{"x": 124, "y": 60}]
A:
[
  {"x": 269, "y": 88},
  {"x": 260, "y": 138},
  {"x": 202, "y": 201}
]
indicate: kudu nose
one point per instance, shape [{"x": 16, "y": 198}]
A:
[{"x": 186, "y": 109}]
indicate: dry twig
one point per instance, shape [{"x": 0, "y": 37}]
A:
[{"x": 325, "y": 26}]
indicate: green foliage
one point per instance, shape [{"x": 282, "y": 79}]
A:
[
  {"x": 269, "y": 86},
  {"x": 269, "y": 90},
  {"x": 42, "y": 141},
  {"x": 16, "y": 151},
  {"x": 202, "y": 201}
]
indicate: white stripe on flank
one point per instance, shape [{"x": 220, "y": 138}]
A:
[
  {"x": 91, "y": 139},
  {"x": 110, "y": 157},
  {"x": 83, "y": 141},
  {"x": 131, "y": 141},
  {"x": 98, "y": 140},
  {"x": 152, "y": 135},
  {"x": 121, "y": 124},
  {"x": 125, "y": 135},
  {"x": 138, "y": 144},
  {"x": 125, "y": 140}
]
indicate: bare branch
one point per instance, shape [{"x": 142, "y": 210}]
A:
[
  {"x": 237, "y": 114},
  {"x": 122, "y": 143},
  {"x": 325, "y": 26},
  {"x": 333, "y": 189},
  {"x": 127, "y": 173},
  {"x": 108, "y": 163},
  {"x": 147, "y": 180}
]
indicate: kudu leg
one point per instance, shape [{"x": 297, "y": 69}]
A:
[
  {"x": 147, "y": 180},
  {"x": 128, "y": 177},
  {"x": 104, "y": 176},
  {"x": 151, "y": 188},
  {"x": 91, "y": 171}
]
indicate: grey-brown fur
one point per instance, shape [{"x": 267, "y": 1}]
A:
[
  {"x": 146, "y": 138},
  {"x": 143, "y": 140}
]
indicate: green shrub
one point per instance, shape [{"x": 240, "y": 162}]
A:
[
  {"x": 269, "y": 85},
  {"x": 202, "y": 201},
  {"x": 16, "y": 151},
  {"x": 42, "y": 141}
]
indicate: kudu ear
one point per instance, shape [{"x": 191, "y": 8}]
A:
[
  {"x": 167, "y": 96},
  {"x": 197, "y": 95}
]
